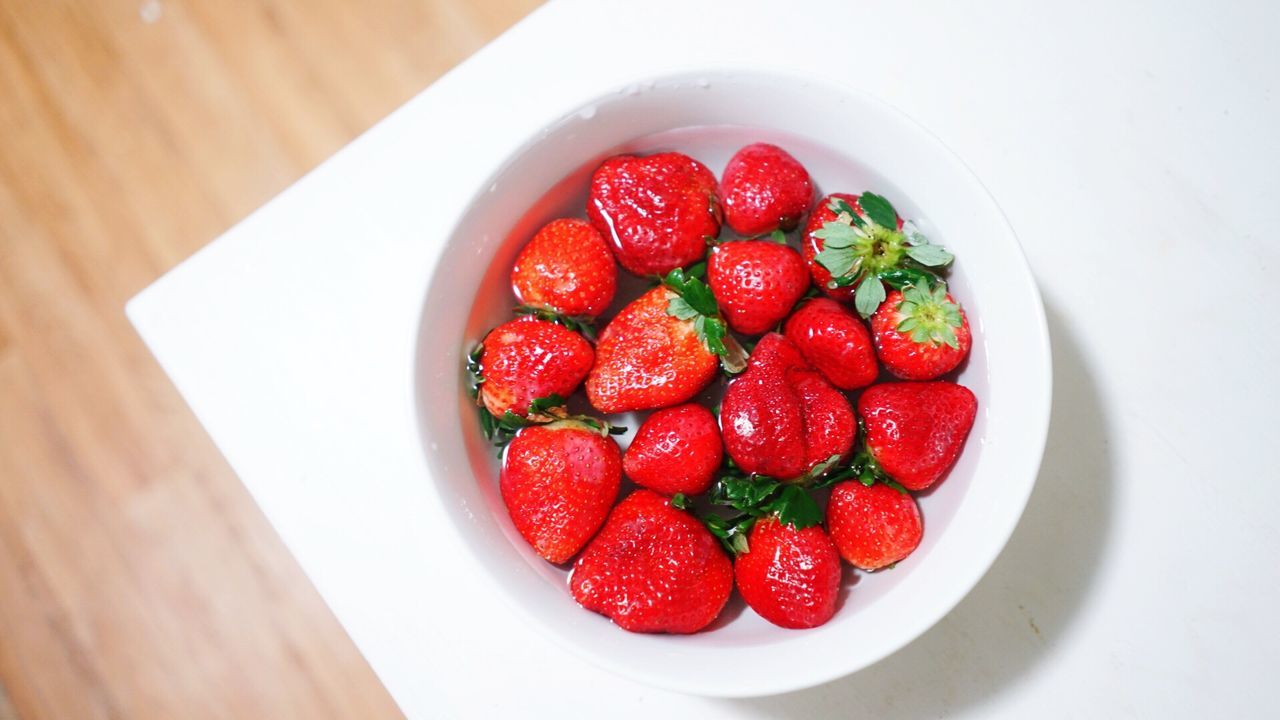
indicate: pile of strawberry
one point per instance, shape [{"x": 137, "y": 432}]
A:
[{"x": 785, "y": 430}]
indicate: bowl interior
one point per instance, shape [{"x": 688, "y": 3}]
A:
[{"x": 849, "y": 143}]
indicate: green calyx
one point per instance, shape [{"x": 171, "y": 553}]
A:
[
  {"x": 550, "y": 411},
  {"x": 500, "y": 429},
  {"x": 928, "y": 316},
  {"x": 695, "y": 302},
  {"x": 754, "y": 497},
  {"x": 864, "y": 247},
  {"x": 582, "y": 325},
  {"x": 862, "y": 467}
]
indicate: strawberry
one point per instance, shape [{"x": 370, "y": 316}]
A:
[
  {"x": 525, "y": 359},
  {"x": 653, "y": 568},
  {"x": 875, "y": 525},
  {"x": 834, "y": 342},
  {"x": 658, "y": 211},
  {"x": 856, "y": 243},
  {"x": 789, "y": 576},
  {"x": 676, "y": 450},
  {"x": 921, "y": 333},
  {"x": 661, "y": 349},
  {"x": 558, "y": 482},
  {"x": 781, "y": 418},
  {"x": 764, "y": 189},
  {"x": 915, "y": 430},
  {"x": 567, "y": 269},
  {"x": 756, "y": 283}
]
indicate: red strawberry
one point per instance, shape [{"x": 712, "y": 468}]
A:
[
  {"x": 789, "y": 576},
  {"x": 525, "y": 359},
  {"x": 653, "y": 568},
  {"x": 835, "y": 342},
  {"x": 756, "y": 283},
  {"x": 661, "y": 349},
  {"x": 873, "y": 526},
  {"x": 566, "y": 268},
  {"x": 558, "y": 482},
  {"x": 915, "y": 430},
  {"x": 921, "y": 334},
  {"x": 764, "y": 189},
  {"x": 658, "y": 211},
  {"x": 676, "y": 450},
  {"x": 781, "y": 418}
]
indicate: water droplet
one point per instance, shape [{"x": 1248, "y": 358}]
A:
[
  {"x": 493, "y": 187},
  {"x": 587, "y": 112}
]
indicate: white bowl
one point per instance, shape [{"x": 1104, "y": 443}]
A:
[{"x": 850, "y": 142}]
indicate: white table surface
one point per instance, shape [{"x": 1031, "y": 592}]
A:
[{"x": 1136, "y": 150}]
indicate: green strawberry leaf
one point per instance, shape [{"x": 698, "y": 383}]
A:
[
  {"x": 879, "y": 210},
  {"x": 869, "y": 295},
  {"x": 582, "y": 325},
  {"x": 475, "y": 370},
  {"x": 913, "y": 234},
  {"x": 837, "y": 235},
  {"x": 694, "y": 301},
  {"x": 819, "y": 470},
  {"x": 679, "y": 501},
  {"x": 695, "y": 293},
  {"x": 900, "y": 278},
  {"x": 930, "y": 255},
  {"x": 758, "y": 496},
  {"x": 795, "y": 507},
  {"x": 779, "y": 237},
  {"x": 839, "y": 261},
  {"x": 840, "y": 207},
  {"x": 680, "y": 308},
  {"x": 731, "y": 532},
  {"x": 541, "y": 405}
]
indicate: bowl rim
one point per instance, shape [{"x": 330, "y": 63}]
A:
[{"x": 979, "y": 567}]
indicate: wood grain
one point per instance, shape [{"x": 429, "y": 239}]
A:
[{"x": 137, "y": 578}]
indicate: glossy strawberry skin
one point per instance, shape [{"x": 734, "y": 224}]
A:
[
  {"x": 657, "y": 211},
  {"x": 764, "y": 189},
  {"x": 780, "y": 417},
  {"x": 916, "y": 430},
  {"x": 566, "y": 268},
  {"x": 873, "y": 527},
  {"x": 790, "y": 577},
  {"x": 756, "y": 283},
  {"x": 676, "y": 450},
  {"x": 646, "y": 358},
  {"x": 653, "y": 568},
  {"x": 558, "y": 482},
  {"x": 908, "y": 359},
  {"x": 835, "y": 342},
  {"x": 527, "y": 358},
  {"x": 811, "y": 246}
]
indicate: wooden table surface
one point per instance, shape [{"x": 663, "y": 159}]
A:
[{"x": 137, "y": 578}]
